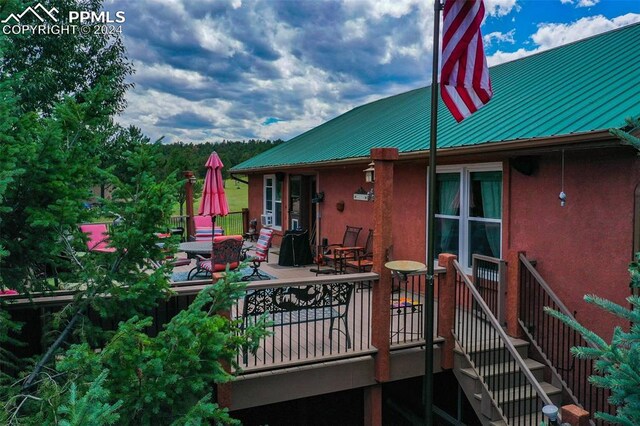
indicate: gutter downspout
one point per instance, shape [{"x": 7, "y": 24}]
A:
[{"x": 234, "y": 177}]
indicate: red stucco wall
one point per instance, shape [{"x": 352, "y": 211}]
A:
[
  {"x": 338, "y": 185},
  {"x": 584, "y": 247},
  {"x": 409, "y": 213}
]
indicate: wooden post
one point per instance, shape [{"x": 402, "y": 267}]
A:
[
  {"x": 188, "y": 190},
  {"x": 382, "y": 242},
  {"x": 373, "y": 405},
  {"x": 513, "y": 294},
  {"x": 245, "y": 220},
  {"x": 447, "y": 308}
]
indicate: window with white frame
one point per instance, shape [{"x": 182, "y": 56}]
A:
[
  {"x": 468, "y": 211},
  {"x": 272, "y": 197}
]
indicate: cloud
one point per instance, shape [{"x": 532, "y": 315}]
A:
[
  {"x": 550, "y": 35},
  {"x": 581, "y": 3},
  {"x": 507, "y": 37},
  {"x": 234, "y": 69},
  {"x": 221, "y": 69},
  {"x": 185, "y": 120},
  {"x": 498, "y": 8}
]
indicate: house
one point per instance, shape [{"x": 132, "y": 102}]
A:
[
  {"x": 534, "y": 177},
  {"x": 500, "y": 171}
]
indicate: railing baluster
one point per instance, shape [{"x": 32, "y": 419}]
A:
[{"x": 556, "y": 340}]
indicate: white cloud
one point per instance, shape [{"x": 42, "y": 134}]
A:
[
  {"x": 213, "y": 37},
  {"x": 581, "y": 3},
  {"x": 500, "y": 7},
  {"x": 551, "y": 35},
  {"x": 499, "y": 37},
  {"x": 378, "y": 9}
]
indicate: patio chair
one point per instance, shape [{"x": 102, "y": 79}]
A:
[
  {"x": 98, "y": 237},
  {"x": 335, "y": 255},
  {"x": 362, "y": 260},
  {"x": 171, "y": 260},
  {"x": 260, "y": 254},
  {"x": 227, "y": 250},
  {"x": 252, "y": 234},
  {"x": 203, "y": 229}
]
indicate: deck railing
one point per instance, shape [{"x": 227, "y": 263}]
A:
[
  {"x": 408, "y": 309},
  {"x": 555, "y": 339},
  {"x": 233, "y": 224},
  {"x": 494, "y": 358},
  {"x": 296, "y": 343},
  {"x": 308, "y": 319},
  {"x": 489, "y": 277}
]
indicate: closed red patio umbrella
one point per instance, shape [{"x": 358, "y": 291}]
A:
[{"x": 214, "y": 201}]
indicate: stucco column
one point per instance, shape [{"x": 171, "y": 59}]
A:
[
  {"x": 574, "y": 415},
  {"x": 447, "y": 308},
  {"x": 188, "y": 191},
  {"x": 513, "y": 294},
  {"x": 382, "y": 244}
]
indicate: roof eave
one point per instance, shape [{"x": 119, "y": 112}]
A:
[{"x": 583, "y": 140}]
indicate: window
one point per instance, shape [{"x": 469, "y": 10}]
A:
[
  {"x": 273, "y": 200},
  {"x": 468, "y": 211}
]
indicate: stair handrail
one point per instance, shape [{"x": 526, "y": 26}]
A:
[
  {"x": 503, "y": 336},
  {"x": 542, "y": 283},
  {"x": 584, "y": 393}
]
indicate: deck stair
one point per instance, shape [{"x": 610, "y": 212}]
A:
[
  {"x": 505, "y": 377},
  {"x": 503, "y": 385}
]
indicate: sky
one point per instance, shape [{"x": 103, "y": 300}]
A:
[{"x": 207, "y": 71}]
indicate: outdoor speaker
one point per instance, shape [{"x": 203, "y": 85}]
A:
[{"x": 527, "y": 165}]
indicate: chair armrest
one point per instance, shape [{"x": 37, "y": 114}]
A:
[{"x": 355, "y": 248}]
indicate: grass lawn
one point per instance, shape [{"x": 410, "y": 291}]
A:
[{"x": 237, "y": 197}]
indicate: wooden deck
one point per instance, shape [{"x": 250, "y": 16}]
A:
[{"x": 312, "y": 342}]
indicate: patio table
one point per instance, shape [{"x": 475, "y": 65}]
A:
[{"x": 203, "y": 248}]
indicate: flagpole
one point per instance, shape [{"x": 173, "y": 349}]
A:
[{"x": 433, "y": 129}]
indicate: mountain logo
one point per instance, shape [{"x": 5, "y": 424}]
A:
[{"x": 34, "y": 11}]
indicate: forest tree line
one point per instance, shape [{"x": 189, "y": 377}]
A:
[{"x": 182, "y": 156}]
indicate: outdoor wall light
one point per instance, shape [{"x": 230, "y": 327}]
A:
[
  {"x": 562, "y": 196},
  {"x": 551, "y": 411},
  {"x": 370, "y": 177},
  {"x": 370, "y": 173}
]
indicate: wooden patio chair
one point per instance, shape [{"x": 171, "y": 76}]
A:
[
  {"x": 334, "y": 255},
  {"x": 361, "y": 258}
]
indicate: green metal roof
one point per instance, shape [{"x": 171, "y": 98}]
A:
[{"x": 588, "y": 85}]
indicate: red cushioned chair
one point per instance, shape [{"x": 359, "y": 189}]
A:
[
  {"x": 203, "y": 229},
  {"x": 227, "y": 250},
  {"x": 260, "y": 254},
  {"x": 98, "y": 237}
]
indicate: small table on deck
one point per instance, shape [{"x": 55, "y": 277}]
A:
[{"x": 203, "y": 248}]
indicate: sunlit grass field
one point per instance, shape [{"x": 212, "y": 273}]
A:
[{"x": 237, "y": 197}]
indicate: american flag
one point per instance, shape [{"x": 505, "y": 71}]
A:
[{"x": 464, "y": 79}]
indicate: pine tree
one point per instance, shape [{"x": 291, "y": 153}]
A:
[{"x": 57, "y": 140}]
